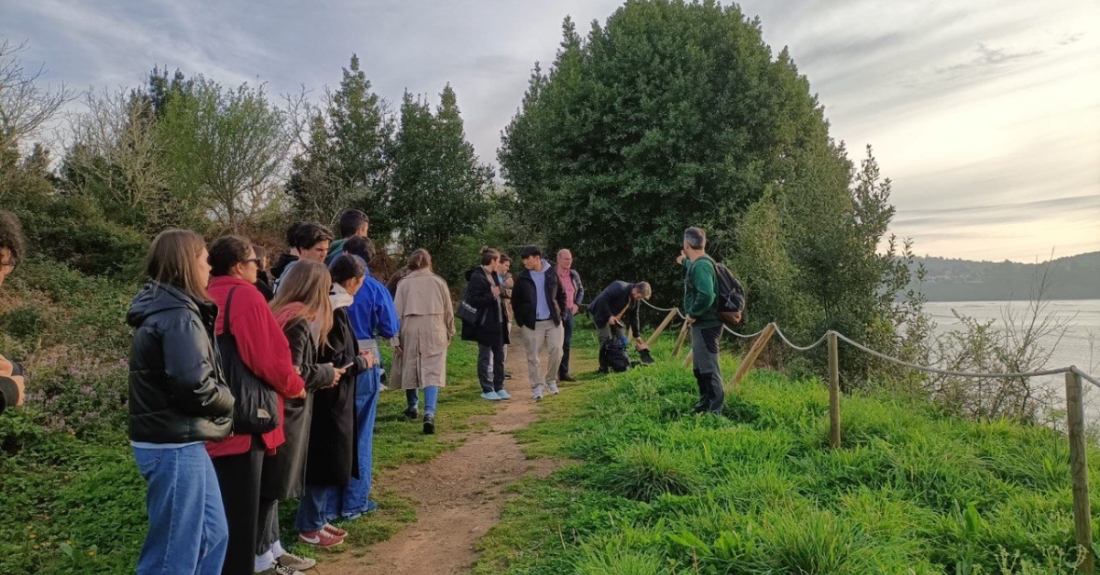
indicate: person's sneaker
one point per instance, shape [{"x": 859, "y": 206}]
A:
[
  {"x": 412, "y": 412},
  {"x": 429, "y": 423},
  {"x": 278, "y": 569},
  {"x": 537, "y": 394},
  {"x": 507, "y": 375},
  {"x": 553, "y": 385},
  {"x": 568, "y": 378},
  {"x": 335, "y": 531},
  {"x": 502, "y": 394},
  {"x": 291, "y": 561},
  {"x": 319, "y": 538},
  {"x": 491, "y": 396}
]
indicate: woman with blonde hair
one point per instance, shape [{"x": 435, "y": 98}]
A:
[
  {"x": 423, "y": 304},
  {"x": 302, "y": 308},
  {"x": 178, "y": 400}
]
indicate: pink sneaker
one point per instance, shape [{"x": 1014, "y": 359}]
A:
[
  {"x": 335, "y": 530},
  {"x": 320, "y": 538}
]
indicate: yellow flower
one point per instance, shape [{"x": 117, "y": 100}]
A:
[
  {"x": 36, "y": 548},
  {"x": 33, "y": 536},
  {"x": 91, "y": 554}
]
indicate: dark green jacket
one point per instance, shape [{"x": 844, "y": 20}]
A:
[{"x": 701, "y": 291}]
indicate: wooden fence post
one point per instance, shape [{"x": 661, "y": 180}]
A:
[
  {"x": 750, "y": 358},
  {"x": 680, "y": 340},
  {"x": 1079, "y": 470},
  {"x": 687, "y": 358},
  {"x": 834, "y": 392},
  {"x": 657, "y": 332}
]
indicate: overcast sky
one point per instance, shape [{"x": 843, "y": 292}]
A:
[{"x": 984, "y": 113}]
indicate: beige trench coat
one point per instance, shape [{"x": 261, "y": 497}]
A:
[{"x": 423, "y": 303}]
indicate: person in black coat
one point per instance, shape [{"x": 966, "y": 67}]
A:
[
  {"x": 178, "y": 399},
  {"x": 490, "y": 330},
  {"x": 333, "y": 440},
  {"x": 538, "y": 301}
]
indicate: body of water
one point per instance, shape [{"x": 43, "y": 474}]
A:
[{"x": 1079, "y": 344}]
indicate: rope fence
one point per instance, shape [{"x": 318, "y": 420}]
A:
[{"x": 1075, "y": 413}]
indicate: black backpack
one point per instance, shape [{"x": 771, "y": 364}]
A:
[
  {"x": 731, "y": 295},
  {"x": 613, "y": 355}
]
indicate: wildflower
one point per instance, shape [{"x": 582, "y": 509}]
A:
[{"x": 33, "y": 536}]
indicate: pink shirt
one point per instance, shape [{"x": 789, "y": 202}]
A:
[{"x": 567, "y": 284}]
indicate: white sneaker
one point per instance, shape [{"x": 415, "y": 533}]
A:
[
  {"x": 537, "y": 393},
  {"x": 553, "y": 385}
]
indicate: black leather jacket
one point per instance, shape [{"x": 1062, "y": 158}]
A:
[{"x": 177, "y": 390}]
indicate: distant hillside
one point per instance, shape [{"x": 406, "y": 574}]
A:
[{"x": 1075, "y": 277}]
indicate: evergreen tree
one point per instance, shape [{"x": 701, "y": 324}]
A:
[
  {"x": 440, "y": 191},
  {"x": 344, "y": 163}
]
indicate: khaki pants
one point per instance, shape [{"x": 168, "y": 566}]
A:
[{"x": 550, "y": 335}]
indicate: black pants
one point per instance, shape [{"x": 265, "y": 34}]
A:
[
  {"x": 708, "y": 375},
  {"x": 567, "y": 323},
  {"x": 267, "y": 521},
  {"x": 239, "y": 479},
  {"x": 483, "y": 353}
]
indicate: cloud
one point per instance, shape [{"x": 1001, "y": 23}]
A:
[{"x": 983, "y": 113}]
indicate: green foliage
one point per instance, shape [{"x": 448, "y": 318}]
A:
[
  {"x": 344, "y": 162},
  {"x": 440, "y": 191},
  {"x": 644, "y": 472},
  {"x": 223, "y": 149},
  {"x": 674, "y": 110}
]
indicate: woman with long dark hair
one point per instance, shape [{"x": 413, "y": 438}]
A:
[{"x": 178, "y": 400}]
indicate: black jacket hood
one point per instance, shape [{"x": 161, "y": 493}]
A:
[{"x": 158, "y": 297}]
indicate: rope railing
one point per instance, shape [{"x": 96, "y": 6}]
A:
[{"x": 1082, "y": 517}]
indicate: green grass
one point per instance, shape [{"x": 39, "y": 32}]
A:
[{"x": 655, "y": 489}]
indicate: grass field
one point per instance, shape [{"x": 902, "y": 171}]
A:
[{"x": 656, "y": 490}]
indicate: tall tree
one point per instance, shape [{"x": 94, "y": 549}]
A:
[
  {"x": 343, "y": 162},
  {"x": 225, "y": 149},
  {"x": 671, "y": 114},
  {"x": 440, "y": 190}
]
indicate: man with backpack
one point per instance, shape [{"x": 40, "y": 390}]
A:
[
  {"x": 612, "y": 311},
  {"x": 701, "y": 304}
]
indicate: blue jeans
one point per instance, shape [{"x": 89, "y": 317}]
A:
[
  {"x": 431, "y": 395},
  {"x": 352, "y": 500},
  {"x": 313, "y": 507},
  {"x": 188, "y": 534}
]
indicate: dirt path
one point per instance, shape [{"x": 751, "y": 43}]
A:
[{"x": 459, "y": 494}]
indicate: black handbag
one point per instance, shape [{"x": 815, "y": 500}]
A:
[{"x": 257, "y": 405}]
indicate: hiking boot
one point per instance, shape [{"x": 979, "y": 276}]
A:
[
  {"x": 502, "y": 394},
  {"x": 278, "y": 569},
  {"x": 553, "y": 385},
  {"x": 319, "y": 538},
  {"x": 412, "y": 412},
  {"x": 291, "y": 561},
  {"x": 429, "y": 423},
  {"x": 491, "y": 396}
]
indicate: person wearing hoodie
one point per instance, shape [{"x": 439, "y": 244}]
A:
[
  {"x": 423, "y": 304},
  {"x": 538, "y": 302},
  {"x": 353, "y": 223},
  {"x": 178, "y": 400},
  {"x": 239, "y": 459},
  {"x": 333, "y": 457},
  {"x": 490, "y": 329},
  {"x": 372, "y": 316}
]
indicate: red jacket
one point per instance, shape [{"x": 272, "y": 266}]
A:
[{"x": 264, "y": 350}]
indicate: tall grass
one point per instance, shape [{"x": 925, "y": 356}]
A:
[{"x": 758, "y": 491}]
